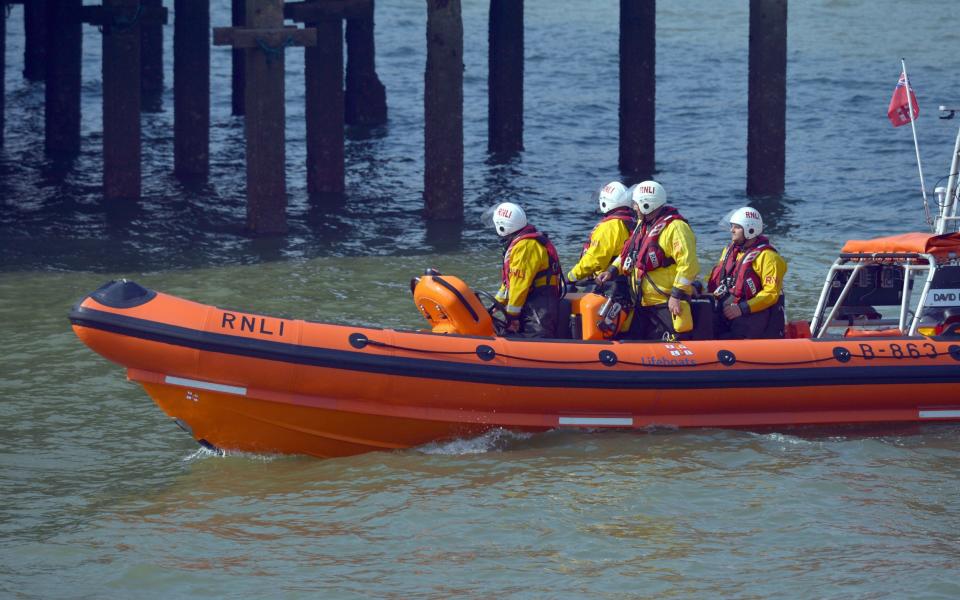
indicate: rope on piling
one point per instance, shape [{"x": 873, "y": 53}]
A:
[
  {"x": 120, "y": 23},
  {"x": 272, "y": 52}
]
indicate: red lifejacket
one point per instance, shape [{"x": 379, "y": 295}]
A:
[
  {"x": 642, "y": 251},
  {"x": 553, "y": 259},
  {"x": 743, "y": 282},
  {"x": 621, "y": 213}
]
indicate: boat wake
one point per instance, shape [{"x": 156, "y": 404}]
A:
[
  {"x": 203, "y": 453},
  {"x": 495, "y": 440}
]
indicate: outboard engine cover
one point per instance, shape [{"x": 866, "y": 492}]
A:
[{"x": 450, "y": 306}]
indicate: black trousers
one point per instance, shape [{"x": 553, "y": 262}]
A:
[
  {"x": 653, "y": 323},
  {"x": 766, "y": 324},
  {"x": 538, "y": 317}
]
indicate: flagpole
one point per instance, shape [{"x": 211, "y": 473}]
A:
[{"x": 916, "y": 145}]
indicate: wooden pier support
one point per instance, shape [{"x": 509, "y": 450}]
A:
[
  {"x": 151, "y": 59},
  {"x": 767, "y": 100},
  {"x": 443, "y": 111},
  {"x": 120, "y": 21},
  {"x": 366, "y": 97},
  {"x": 35, "y": 42},
  {"x": 324, "y": 89},
  {"x": 238, "y": 18},
  {"x": 191, "y": 89},
  {"x": 505, "y": 80},
  {"x": 638, "y": 87},
  {"x": 62, "y": 93},
  {"x": 264, "y": 40},
  {"x": 324, "y": 110}
]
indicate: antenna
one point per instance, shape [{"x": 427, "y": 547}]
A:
[{"x": 916, "y": 145}]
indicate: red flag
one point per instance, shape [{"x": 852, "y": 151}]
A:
[{"x": 899, "y": 110}]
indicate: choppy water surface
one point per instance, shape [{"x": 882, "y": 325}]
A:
[{"x": 103, "y": 497}]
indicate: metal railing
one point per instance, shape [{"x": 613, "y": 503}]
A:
[{"x": 820, "y": 323}]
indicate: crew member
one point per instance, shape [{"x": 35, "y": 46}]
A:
[
  {"x": 532, "y": 277},
  {"x": 607, "y": 238},
  {"x": 660, "y": 258},
  {"x": 748, "y": 281}
]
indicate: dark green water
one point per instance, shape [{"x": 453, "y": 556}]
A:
[{"x": 102, "y": 497}]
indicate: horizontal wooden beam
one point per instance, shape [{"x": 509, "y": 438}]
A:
[
  {"x": 106, "y": 17},
  {"x": 241, "y": 37},
  {"x": 314, "y": 11}
]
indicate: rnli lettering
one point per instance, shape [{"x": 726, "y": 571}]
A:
[{"x": 252, "y": 324}]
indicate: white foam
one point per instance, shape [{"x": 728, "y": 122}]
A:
[
  {"x": 202, "y": 453},
  {"x": 491, "y": 441}
]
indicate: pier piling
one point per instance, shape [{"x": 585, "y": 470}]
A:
[
  {"x": 323, "y": 79},
  {"x": 191, "y": 89},
  {"x": 365, "y": 97},
  {"x": 767, "y": 97},
  {"x": 443, "y": 111},
  {"x": 638, "y": 87},
  {"x": 120, "y": 22},
  {"x": 151, "y": 56},
  {"x": 505, "y": 80},
  {"x": 325, "y": 111},
  {"x": 264, "y": 40},
  {"x": 238, "y": 18},
  {"x": 62, "y": 92},
  {"x": 35, "y": 33}
]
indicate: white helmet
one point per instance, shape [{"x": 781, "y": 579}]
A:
[
  {"x": 613, "y": 195},
  {"x": 648, "y": 196},
  {"x": 748, "y": 218},
  {"x": 508, "y": 218}
]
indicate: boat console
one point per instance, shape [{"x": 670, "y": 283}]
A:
[{"x": 893, "y": 286}]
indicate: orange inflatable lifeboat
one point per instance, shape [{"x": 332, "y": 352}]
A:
[{"x": 243, "y": 381}]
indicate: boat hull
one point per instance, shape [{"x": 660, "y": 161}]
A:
[{"x": 254, "y": 383}]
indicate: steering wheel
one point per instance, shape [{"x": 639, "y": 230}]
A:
[{"x": 497, "y": 312}]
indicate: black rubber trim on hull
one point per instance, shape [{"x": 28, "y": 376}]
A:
[{"x": 512, "y": 375}]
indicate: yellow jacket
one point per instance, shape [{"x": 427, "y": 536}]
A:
[
  {"x": 606, "y": 241},
  {"x": 526, "y": 258},
  {"x": 678, "y": 242},
  {"x": 771, "y": 268}
]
